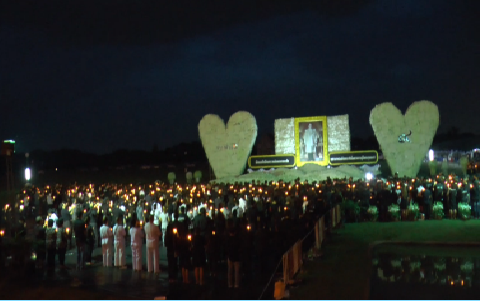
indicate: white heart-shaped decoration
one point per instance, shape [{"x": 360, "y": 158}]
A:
[
  {"x": 228, "y": 146},
  {"x": 421, "y": 120}
]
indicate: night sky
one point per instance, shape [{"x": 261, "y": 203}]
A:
[{"x": 111, "y": 75}]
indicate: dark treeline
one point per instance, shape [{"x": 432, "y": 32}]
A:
[{"x": 193, "y": 153}]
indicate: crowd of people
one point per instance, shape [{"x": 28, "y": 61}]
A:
[{"x": 203, "y": 226}]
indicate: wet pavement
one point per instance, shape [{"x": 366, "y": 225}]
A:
[
  {"x": 425, "y": 276},
  {"x": 116, "y": 283}
]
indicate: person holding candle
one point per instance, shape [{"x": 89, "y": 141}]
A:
[
  {"x": 107, "y": 240},
  {"x": 119, "y": 243},
  {"x": 89, "y": 242},
  {"x": 152, "y": 233}
]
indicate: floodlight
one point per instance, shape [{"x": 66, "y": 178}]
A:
[
  {"x": 27, "y": 174},
  {"x": 431, "y": 155},
  {"x": 369, "y": 176}
]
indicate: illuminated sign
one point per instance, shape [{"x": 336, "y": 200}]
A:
[
  {"x": 271, "y": 161},
  {"x": 354, "y": 158}
]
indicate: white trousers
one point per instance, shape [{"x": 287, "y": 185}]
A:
[
  {"x": 164, "y": 230},
  {"x": 107, "y": 255},
  {"x": 137, "y": 257},
  {"x": 153, "y": 258},
  {"x": 119, "y": 255}
]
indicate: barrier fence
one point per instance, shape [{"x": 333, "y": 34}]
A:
[{"x": 292, "y": 260}]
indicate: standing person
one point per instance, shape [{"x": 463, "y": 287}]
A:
[
  {"x": 170, "y": 238},
  {"x": 233, "y": 254},
  {"x": 90, "y": 241},
  {"x": 152, "y": 233},
  {"x": 80, "y": 239},
  {"x": 428, "y": 203},
  {"x": 93, "y": 212},
  {"x": 119, "y": 243},
  {"x": 61, "y": 242},
  {"x": 100, "y": 218},
  {"x": 40, "y": 239},
  {"x": 107, "y": 239},
  {"x": 51, "y": 244},
  {"x": 198, "y": 256},
  {"x": 164, "y": 219},
  {"x": 136, "y": 244}
]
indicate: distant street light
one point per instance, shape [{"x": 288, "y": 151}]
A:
[
  {"x": 431, "y": 155},
  {"x": 27, "y": 174}
]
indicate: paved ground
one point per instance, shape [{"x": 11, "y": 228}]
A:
[{"x": 97, "y": 282}]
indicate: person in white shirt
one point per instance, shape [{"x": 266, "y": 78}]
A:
[
  {"x": 152, "y": 234},
  {"x": 164, "y": 216},
  {"x": 49, "y": 201},
  {"x": 140, "y": 212},
  {"x": 157, "y": 213},
  {"x": 136, "y": 245},
  {"x": 119, "y": 244},
  {"x": 107, "y": 238}
]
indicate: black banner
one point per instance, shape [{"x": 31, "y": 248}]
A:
[
  {"x": 271, "y": 161},
  {"x": 358, "y": 157}
]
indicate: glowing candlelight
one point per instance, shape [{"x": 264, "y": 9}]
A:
[
  {"x": 248, "y": 227},
  {"x": 2, "y": 233},
  {"x": 189, "y": 237},
  {"x": 67, "y": 230},
  {"x": 213, "y": 232},
  {"x": 174, "y": 230}
]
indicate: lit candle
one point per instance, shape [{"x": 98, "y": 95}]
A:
[
  {"x": 67, "y": 230},
  {"x": 213, "y": 232},
  {"x": 189, "y": 237},
  {"x": 174, "y": 230},
  {"x": 2, "y": 233}
]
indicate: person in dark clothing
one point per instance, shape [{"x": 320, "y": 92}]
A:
[
  {"x": 100, "y": 222},
  {"x": 170, "y": 243},
  {"x": 198, "y": 256},
  {"x": 40, "y": 242},
  {"x": 80, "y": 239},
  {"x": 62, "y": 239},
  {"x": 89, "y": 242},
  {"x": 213, "y": 250},
  {"x": 428, "y": 203},
  {"x": 233, "y": 247},
  {"x": 51, "y": 244}
]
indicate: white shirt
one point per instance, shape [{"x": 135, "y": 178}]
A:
[
  {"x": 157, "y": 213},
  {"x": 119, "y": 234},
  {"x": 165, "y": 220},
  {"x": 54, "y": 217},
  {"x": 136, "y": 237},
  {"x": 152, "y": 234},
  {"x": 106, "y": 235},
  {"x": 49, "y": 199}
]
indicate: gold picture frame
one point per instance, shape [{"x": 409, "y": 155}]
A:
[{"x": 313, "y": 157}]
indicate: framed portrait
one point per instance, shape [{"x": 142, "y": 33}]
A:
[{"x": 310, "y": 135}]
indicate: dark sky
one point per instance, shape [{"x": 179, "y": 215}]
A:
[{"x": 120, "y": 75}]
